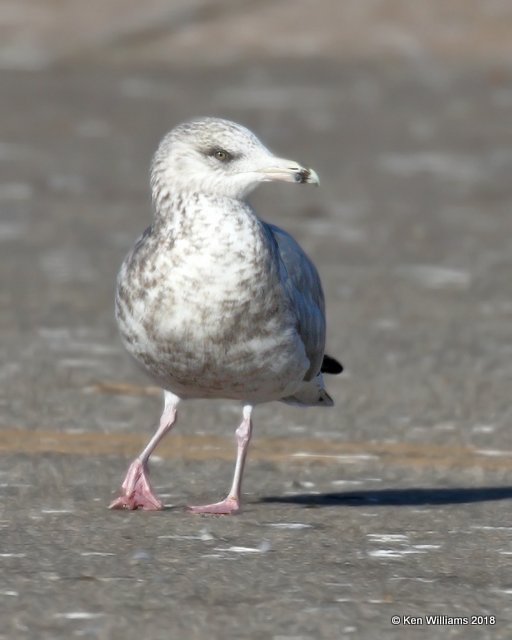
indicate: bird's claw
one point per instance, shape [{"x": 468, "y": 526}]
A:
[
  {"x": 227, "y": 507},
  {"x": 137, "y": 491}
]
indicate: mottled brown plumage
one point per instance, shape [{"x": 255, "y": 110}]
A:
[{"x": 213, "y": 302}]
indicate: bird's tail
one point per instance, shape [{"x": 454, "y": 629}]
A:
[{"x": 311, "y": 393}]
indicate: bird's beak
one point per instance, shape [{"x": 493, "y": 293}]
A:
[{"x": 280, "y": 169}]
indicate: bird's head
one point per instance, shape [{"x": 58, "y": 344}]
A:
[{"x": 219, "y": 157}]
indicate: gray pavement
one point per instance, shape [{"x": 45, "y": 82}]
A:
[{"x": 395, "y": 502}]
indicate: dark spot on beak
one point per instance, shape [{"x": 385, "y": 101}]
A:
[{"x": 302, "y": 176}]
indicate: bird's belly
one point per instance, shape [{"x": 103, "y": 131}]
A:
[
  {"x": 240, "y": 374},
  {"x": 239, "y": 341}
]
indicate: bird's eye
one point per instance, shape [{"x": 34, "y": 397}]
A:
[{"x": 222, "y": 155}]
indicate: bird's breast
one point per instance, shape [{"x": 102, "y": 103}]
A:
[{"x": 204, "y": 312}]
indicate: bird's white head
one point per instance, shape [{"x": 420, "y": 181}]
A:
[{"x": 219, "y": 157}]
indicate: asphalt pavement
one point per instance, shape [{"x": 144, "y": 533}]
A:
[{"x": 360, "y": 521}]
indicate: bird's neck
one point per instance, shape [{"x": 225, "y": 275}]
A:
[
  {"x": 173, "y": 204},
  {"x": 166, "y": 189},
  {"x": 161, "y": 194}
]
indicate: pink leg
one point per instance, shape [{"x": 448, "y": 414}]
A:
[
  {"x": 231, "y": 504},
  {"x": 136, "y": 488}
]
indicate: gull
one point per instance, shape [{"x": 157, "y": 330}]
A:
[{"x": 212, "y": 301}]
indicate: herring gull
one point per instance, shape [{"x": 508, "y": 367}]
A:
[{"x": 212, "y": 301}]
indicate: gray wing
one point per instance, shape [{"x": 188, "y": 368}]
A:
[{"x": 302, "y": 284}]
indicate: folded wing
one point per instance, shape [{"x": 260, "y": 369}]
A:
[{"x": 302, "y": 284}]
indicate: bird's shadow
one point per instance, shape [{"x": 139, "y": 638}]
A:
[{"x": 395, "y": 497}]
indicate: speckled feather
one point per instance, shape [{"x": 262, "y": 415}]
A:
[{"x": 212, "y": 301}]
